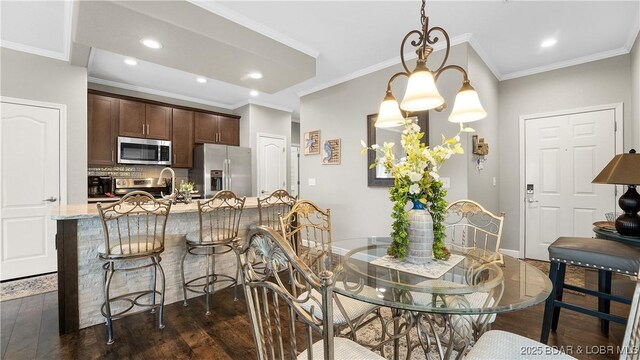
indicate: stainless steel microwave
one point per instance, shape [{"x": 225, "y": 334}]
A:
[{"x": 143, "y": 151}]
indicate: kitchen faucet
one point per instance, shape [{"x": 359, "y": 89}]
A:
[{"x": 173, "y": 183}]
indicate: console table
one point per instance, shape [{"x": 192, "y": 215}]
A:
[{"x": 613, "y": 235}]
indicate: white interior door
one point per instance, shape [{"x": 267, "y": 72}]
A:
[
  {"x": 29, "y": 187},
  {"x": 563, "y": 154},
  {"x": 272, "y": 163},
  {"x": 294, "y": 182}
]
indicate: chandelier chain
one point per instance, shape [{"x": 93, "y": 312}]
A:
[{"x": 423, "y": 15}]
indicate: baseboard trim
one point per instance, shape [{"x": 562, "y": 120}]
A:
[{"x": 509, "y": 252}]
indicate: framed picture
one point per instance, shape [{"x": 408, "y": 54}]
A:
[
  {"x": 378, "y": 176},
  {"x": 312, "y": 142},
  {"x": 331, "y": 152}
]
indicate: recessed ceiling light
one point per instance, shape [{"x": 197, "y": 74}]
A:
[
  {"x": 151, "y": 43},
  {"x": 548, "y": 43},
  {"x": 254, "y": 93},
  {"x": 130, "y": 61},
  {"x": 201, "y": 80},
  {"x": 255, "y": 75}
]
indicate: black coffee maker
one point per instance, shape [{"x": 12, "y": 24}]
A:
[{"x": 100, "y": 186}]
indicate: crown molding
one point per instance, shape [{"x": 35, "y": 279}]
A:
[
  {"x": 157, "y": 92},
  {"x": 475, "y": 44},
  {"x": 253, "y": 25},
  {"x": 379, "y": 66},
  {"x": 34, "y": 50},
  {"x": 263, "y": 104},
  {"x": 563, "y": 64}
]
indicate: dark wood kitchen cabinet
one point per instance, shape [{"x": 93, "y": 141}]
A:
[
  {"x": 158, "y": 122},
  {"x": 142, "y": 120},
  {"x": 217, "y": 129},
  {"x": 182, "y": 138},
  {"x": 102, "y": 129},
  {"x": 132, "y": 119}
]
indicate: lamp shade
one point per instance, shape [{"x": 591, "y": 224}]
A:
[
  {"x": 422, "y": 93},
  {"x": 467, "y": 107},
  {"x": 623, "y": 169},
  {"x": 389, "y": 114}
]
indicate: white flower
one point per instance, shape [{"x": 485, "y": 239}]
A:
[
  {"x": 434, "y": 175},
  {"x": 414, "y": 176},
  {"x": 375, "y": 146},
  {"x": 364, "y": 144},
  {"x": 457, "y": 138},
  {"x": 414, "y": 189}
]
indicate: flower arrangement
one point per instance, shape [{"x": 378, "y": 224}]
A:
[{"x": 416, "y": 179}]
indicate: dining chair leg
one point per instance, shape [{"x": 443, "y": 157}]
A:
[
  {"x": 549, "y": 305},
  {"x": 604, "y": 305},
  {"x": 184, "y": 283},
  {"x": 108, "y": 276},
  {"x": 559, "y": 292},
  {"x": 235, "y": 283},
  {"x": 162, "y": 289},
  {"x": 207, "y": 283}
]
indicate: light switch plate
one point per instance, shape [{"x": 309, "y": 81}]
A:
[
  {"x": 312, "y": 181},
  {"x": 446, "y": 182}
]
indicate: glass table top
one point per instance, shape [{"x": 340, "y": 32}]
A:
[{"x": 482, "y": 282}]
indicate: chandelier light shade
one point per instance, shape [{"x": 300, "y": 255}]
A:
[
  {"x": 422, "y": 92},
  {"x": 467, "y": 107},
  {"x": 389, "y": 114}
]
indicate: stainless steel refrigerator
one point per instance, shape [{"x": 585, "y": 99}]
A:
[{"x": 221, "y": 167}]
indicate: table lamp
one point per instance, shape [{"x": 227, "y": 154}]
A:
[{"x": 624, "y": 169}]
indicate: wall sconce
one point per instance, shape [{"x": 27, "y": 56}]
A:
[{"x": 481, "y": 149}]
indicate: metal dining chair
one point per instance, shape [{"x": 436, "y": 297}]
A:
[
  {"x": 219, "y": 219},
  {"x": 307, "y": 228},
  {"x": 134, "y": 230},
  {"x": 278, "y": 316}
]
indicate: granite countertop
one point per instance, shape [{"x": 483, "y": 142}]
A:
[
  {"x": 116, "y": 198},
  {"x": 86, "y": 211}
]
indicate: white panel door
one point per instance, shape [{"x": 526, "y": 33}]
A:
[
  {"x": 272, "y": 164},
  {"x": 29, "y": 187},
  {"x": 563, "y": 154},
  {"x": 294, "y": 182}
]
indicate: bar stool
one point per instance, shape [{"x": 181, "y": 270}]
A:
[
  {"x": 134, "y": 229},
  {"x": 270, "y": 208},
  {"x": 219, "y": 219},
  {"x": 607, "y": 256}
]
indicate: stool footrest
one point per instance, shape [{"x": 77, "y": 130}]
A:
[
  {"x": 599, "y": 294},
  {"x": 591, "y": 312}
]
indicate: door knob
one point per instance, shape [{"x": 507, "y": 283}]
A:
[
  {"x": 51, "y": 199},
  {"x": 532, "y": 201}
]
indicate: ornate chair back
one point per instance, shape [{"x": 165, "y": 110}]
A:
[
  {"x": 275, "y": 312},
  {"x": 134, "y": 226},
  {"x": 273, "y": 206},
  {"x": 307, "y": 227},
  {"x": 631, "y": 342},
  {"x": 469, "y": 225},
  {"x": 220, "y": 218}
]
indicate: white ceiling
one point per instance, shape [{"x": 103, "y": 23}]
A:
[{"x": 351, "y": 38}]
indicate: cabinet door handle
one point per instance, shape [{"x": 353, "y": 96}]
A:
[
  {"x": 143, "y": 129},
  {"x": 112, "y": 156},
  {"x": 174, "y": 159}
]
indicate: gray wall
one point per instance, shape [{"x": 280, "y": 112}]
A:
[
  {"x": 595, "y": 83},
  {"x": 39, "y": 78},
  {"x": 481, "y": 188},
  {"x": 295, "y": 133},
  {"x": 635, "y": 91},
  {"x": 341, "y": 112}
]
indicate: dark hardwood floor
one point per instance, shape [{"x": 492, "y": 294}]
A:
[{"x": 29, "y": 330}]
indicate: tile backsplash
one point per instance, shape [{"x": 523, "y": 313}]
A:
[{"x": 135, "y": 171}]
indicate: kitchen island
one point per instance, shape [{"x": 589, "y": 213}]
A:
[{"x": 80, "y": 273}]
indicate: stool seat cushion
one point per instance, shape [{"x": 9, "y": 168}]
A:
[
  {"x": 217, "y": 235},
  {"x": 497, "y": 345},
  {"x": 137, "y": 246},
  {"x": 601, "y": 254}
]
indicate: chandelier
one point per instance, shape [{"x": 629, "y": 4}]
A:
[{"x": 421, "y": 93}]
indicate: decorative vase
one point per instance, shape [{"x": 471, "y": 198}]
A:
[{"x": 420, "y": 233}]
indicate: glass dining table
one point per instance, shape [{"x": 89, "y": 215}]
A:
[{"x": 441, "y": 307}]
